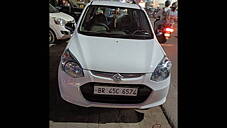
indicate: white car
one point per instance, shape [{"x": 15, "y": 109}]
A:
[
  {"x": 115, "y": 63},
  {"x": 61, "y": 25}
]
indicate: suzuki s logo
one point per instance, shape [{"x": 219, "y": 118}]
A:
[{"x": 117, "y": 77}]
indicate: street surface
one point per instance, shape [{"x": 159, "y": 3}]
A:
[
  {"x": 65, "y": 115},
  {"x": 170, "y": 107}
]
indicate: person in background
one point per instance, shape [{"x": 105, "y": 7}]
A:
[
  {"x": 172, "y": 14},
  {"x": 60, "y": 3},
  {"x": 65, "y": 6},
  {"x": 162, "y": 15},
  {"x": 63, "y": 3},
  {"x": 116, "y": 16},
  {"x": 99, "y": 11}
]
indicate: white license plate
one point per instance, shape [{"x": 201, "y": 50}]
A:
[{"x": 101, "y": 90}]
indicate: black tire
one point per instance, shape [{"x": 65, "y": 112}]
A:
[
  {"x": 161, "y": 39},
  {"x": 52, "y": 37}
]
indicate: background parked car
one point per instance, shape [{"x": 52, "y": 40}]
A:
[
  {"x": 73, "y": 8},
  {"x": 61, "y": 25}
]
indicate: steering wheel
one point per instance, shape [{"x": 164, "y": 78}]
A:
[{"x": 104, "y": 25}]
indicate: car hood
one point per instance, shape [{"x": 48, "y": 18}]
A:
[
  {"x": 62, "y": 15},
  {"x": 116, "y": 55}
]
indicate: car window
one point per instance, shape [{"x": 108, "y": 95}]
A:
[
  {"x": 116, "y": 22},
  {"x": 52, "y": 9}
]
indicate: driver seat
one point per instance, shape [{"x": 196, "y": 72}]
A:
[{"x": 99, "y": 23}]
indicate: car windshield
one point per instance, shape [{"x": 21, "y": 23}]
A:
[
  {"x": 52, "y": 9},
  {"x": 115, "y": 22}
]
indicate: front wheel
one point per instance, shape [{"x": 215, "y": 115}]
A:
[{"x": 52, "y": 37}]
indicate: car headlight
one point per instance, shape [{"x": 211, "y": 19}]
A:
[
  {"x": 59, "y": 21},
  {"x": 162, "y": 71},
  {"x": 70, "y": 65}
]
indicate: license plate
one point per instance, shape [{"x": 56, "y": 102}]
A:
[{"x": 101, "y": 90}]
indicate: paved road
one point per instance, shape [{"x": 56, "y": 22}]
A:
[{"x": 65, "y": 115}]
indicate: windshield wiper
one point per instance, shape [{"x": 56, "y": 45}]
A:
[
  {"x": 106, "y": 34},
  {"x": 93, "y": 33},
  {"x": 141, "y": 34},
  {"x": 130, "y": 36}
]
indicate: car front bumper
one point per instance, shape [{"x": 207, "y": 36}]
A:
[{"x": 70, "y": 90}]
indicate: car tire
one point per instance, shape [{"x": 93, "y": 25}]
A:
[{"x": 52, "y": 37}]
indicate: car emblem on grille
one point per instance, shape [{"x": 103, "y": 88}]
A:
[{"x": 117, "y": 77}]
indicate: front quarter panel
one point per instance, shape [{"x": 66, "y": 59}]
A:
[{"x": 75, "y": 49}]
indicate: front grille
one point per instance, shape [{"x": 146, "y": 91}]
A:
[
  {"x": 65, "y": 32},
  {"x": 88, "y": 93},
  {"x": 70, "y": 26},
  {"x": 111, "y": 74}
]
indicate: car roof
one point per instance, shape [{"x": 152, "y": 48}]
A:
[{"x": 115, "y": 3}]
